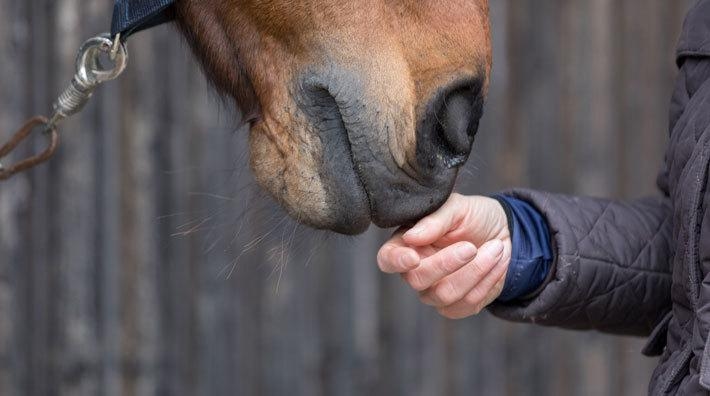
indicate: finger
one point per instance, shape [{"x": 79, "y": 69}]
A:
[
  {"x": 394, "y": 257},
  {"x": 431, "y": 228},
  {"x": 480, "y": 297},
  {"x": 439, "y": 265},
  {"x": 457, "y": 285}
]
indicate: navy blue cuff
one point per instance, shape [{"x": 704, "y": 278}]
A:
[{"x": 531, "y": 257}]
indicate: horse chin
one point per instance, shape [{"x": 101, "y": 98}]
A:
[{"x": 332, "y": 190}]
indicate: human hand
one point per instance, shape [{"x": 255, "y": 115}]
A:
[{"x": 439, "y": 258}]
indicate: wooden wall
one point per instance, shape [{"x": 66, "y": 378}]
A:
[{"x": 144, "y": 261}]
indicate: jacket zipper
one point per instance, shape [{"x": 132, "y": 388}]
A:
[{"x": 678, "y": 368}]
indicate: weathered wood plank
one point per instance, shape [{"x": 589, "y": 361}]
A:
[{"x": 115, "y": 260}]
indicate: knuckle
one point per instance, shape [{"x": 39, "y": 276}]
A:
[
  {"x": 475, "y": 303},
  {"x": 445, "y": 313},
  {"x": 473, "y": 299},
  {"x": 446, "y": 293},
  {"x": 440, "y": 265},
  {"x": 449, "y": 314},
  {"x": 442, "y": 298},
  {"x": 477, "y": 269},
  {"x": 426, "y": 299},
  {"x": 433, "y": 223},
  {"x": 415, "y": 281},
  {"x": 444, "y": 263}
]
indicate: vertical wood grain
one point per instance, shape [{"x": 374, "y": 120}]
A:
[{"x": 143, "y": 260}]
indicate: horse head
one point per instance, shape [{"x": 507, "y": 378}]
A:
[{"x": 359, "y": 111}]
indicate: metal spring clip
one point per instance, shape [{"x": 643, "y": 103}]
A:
[{"x": 91, "y": 72}]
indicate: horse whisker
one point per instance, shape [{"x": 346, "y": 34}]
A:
[
  {"x": 209, "y": 195},
  {"x": 192, "y": 229}
]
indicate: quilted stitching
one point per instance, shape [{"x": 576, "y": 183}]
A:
[{"x": 623, "y": 266}]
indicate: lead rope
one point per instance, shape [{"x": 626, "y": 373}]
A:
[{"x": 91, "y": 71}]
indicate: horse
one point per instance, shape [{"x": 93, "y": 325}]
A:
[{"x": 359, "y": 112}]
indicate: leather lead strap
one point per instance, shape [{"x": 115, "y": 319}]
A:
[
  {"x": 129, "y": 16},
  {"x": 23, "y": 133},
  {"x": 90, "y": 74}
]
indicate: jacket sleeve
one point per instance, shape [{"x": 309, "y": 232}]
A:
[{"x": 611, "y": 270}]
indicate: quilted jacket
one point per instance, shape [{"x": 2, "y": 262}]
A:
[{"x": 642, "y": 267}]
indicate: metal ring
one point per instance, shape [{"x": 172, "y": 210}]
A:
[{"x": 88, "y": 63}]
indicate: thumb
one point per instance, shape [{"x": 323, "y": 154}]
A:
[{"x": 433, "y": 227}]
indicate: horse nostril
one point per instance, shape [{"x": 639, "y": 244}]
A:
[
  {"x": 447, "y": 128},
  {"x": 458, "y": 120}
]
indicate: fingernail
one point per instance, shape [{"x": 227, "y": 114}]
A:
[
  {"x": 407, "y": 260},
  {"x": 415, "y": 231},
  {"x": 495, "y": 248},
  {"x": 465, "y": 252}
]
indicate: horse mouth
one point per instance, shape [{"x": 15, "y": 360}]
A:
[
  {"x": 346, "y": 194},
  {"x": 363, "y": 182}
]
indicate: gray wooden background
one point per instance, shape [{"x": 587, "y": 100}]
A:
[{"x": 144, "y": 261}]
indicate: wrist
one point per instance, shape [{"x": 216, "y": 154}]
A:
[
  {"x": 508, "y": 215},
  {"x": 531, "y": 252}
]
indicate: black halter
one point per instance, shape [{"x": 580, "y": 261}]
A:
[{"x": 132, "y": 16}]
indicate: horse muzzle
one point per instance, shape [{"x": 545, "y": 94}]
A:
[{"x": 372, "y": 179}]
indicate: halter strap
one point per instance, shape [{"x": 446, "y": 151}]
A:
[{"x": 132, "y": 16}]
